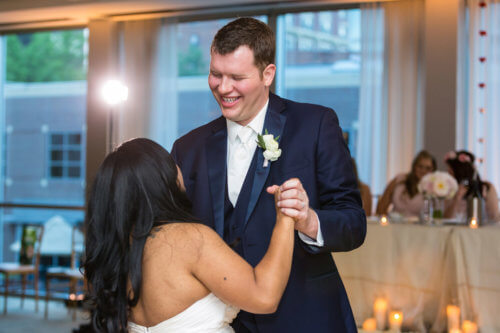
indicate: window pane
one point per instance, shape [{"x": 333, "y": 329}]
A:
[
  {"x": 44, "y": 110},
  {"x": 74, "y": 172},
  {"x": 56, "y": 155},
  {"x": 57, "y": 139},
  {"x": 74, "y": 139},
  {"x": 320, "y": 62},
  {"x": 74, "y": 155},
  {"x": 56, "y": 171}
]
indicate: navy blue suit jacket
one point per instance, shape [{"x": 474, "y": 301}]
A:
[{"x": 313, "y": 150}]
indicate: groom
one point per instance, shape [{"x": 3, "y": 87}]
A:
[{"x": 226, "y": 177}]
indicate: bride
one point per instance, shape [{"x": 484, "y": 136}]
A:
[{"x": 151, "y": 267}]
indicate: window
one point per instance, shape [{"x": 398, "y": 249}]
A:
[
  {"x": 65, "y": 159},
  {"x": 42, "y": 125},
  {"x": 326, "y": 67}
]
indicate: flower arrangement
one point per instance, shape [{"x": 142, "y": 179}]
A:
[{"x": 438, "y": 184}]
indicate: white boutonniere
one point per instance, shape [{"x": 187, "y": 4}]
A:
[{"x": 271, "y": 147}]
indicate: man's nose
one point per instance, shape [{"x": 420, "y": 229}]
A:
[{"x": 225, "y": 86}]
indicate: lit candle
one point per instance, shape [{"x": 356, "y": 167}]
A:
[
  {"x": 473, "y": 223},
  {"x": 453, "y": 314},
  {"x": 455, "y": 330},
  {"x": 383, "y": 220},
  {"x": 474, "y": 208},
  {"x": 380, "y": 311},
  {"x": 370, "y": 325},
  {"x": 395, "y": 320},
  {"x": 469, "y": 327}
]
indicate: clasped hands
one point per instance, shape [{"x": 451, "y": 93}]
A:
[{"x": 294, "y": 202}]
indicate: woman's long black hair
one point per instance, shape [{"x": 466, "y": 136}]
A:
[
  {"x": 135, "y": 189},
  {"x": 464, "y": 171}
]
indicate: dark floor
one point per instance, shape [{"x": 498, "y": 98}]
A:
[{"x": 27, "y": 320}]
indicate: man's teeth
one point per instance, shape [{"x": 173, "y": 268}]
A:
[{"x": 229, "y": 100}]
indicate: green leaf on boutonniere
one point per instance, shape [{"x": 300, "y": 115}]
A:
[{"x": 260, "y": 141}]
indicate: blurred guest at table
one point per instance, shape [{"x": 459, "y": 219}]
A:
[
  {"x": 402, "y": 192},
  {"x": 461, "y": 166},
  {"x": 364, "y": 189}
]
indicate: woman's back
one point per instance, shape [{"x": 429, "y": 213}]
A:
[{"x": 168, "y": 286}]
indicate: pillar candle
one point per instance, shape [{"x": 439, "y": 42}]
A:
[
  {"x": 453, "y": 314},
  {"x": 380, "y": 311},
  {"x": 395, "y": 320},
  {"x": 370, "y": 325},
  {"x": 469, "y": 327},
  {"x": 473, "y": 223}
]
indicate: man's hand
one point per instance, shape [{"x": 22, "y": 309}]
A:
[{"x": 294, "y": 202}]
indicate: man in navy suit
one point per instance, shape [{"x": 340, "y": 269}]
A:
[{"x": 226, "y": 177}]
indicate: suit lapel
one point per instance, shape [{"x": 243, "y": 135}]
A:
[
  {"x": 216, "y": 149},
  {"x": 274, "y": 123}
]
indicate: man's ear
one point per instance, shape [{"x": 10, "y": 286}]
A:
[{"x": 268, "y": 74}]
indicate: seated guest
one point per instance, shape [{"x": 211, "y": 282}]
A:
[
  {"x": 461, "y": 166},
  {"x": 364, "y": 189},
  {"x": 402, "y": 192}
]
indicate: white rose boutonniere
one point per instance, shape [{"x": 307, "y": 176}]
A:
[{"x": 271, "y": 147}]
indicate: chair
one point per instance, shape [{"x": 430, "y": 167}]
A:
[
  {"x": 29, "y": 262},
  {"x": 70, "y": 275}
]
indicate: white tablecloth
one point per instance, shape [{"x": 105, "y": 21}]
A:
[{"x": 420, "y": 269}]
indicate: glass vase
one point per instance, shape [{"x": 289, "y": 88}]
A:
[
  {"x": 438, "y": 208},
  {"x": 426, "y": 212}
]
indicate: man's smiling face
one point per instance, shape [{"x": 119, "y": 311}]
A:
[{"x": 239, "y": 87}]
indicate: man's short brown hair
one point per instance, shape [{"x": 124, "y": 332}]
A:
[{"x": 250, "y": 32}]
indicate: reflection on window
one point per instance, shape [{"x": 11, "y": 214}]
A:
[{"x": 325, "y": 67}]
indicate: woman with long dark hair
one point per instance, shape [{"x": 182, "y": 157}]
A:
[
  {"x": 151, "y": 267},
  {"x": 461, "y": 166},
  {"x": 402, "y": 192}
]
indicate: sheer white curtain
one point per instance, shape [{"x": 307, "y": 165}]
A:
[
  {"x": 143, "y": 55},
  {"x": 390, "y": 103},
  {"x": 372, "y": 137},
  {"x": 479, "y": 108},
  {"x": 404, "y": 52}
]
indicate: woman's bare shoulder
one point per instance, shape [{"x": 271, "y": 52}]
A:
[{"x": 187, "y": 235}]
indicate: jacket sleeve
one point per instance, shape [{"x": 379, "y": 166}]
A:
[{"x": 340, "y": 212}]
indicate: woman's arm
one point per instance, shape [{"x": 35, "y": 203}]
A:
[
  {"x": 231, "y": 278},
  {"x": 491, "y": 203},
  {"x": 386, "y": 198}
]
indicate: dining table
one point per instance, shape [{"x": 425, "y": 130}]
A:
[{"x": 421, "y": 269}]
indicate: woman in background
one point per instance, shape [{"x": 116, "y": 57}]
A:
[
  {"x": 151, "y": 268},
  {"x": 402, "y": 192},
  {"x": 461, "y": 166}
]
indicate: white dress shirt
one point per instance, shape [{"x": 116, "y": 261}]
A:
[{"x": 241, "y": 145}]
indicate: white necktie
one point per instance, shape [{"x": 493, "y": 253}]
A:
[{"x": 239, "y": 162}]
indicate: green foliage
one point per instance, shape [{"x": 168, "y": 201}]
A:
[
  {"x": 191, "y": 62},
  {"x": 46, "y": 56}
]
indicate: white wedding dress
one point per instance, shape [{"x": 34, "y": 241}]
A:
[{"x": 208, "y": 314}]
